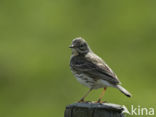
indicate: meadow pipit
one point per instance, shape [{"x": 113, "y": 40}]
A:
[{"x": 90, "y": 70}]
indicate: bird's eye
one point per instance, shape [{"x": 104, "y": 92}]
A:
[{"x": 81, "y": 45}]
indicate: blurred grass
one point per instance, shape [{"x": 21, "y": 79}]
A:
[{"x": 35, "y": 79}]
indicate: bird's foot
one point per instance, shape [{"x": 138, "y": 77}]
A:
[
  {"x": 99, "y": 101},
  {"x": 80, "y": 101},
  {"x": 103, "y": 101}
]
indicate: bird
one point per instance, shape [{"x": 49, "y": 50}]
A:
[{"x": 91, "y": 70}]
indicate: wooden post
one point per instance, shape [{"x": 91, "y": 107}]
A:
[{"x": 93, "y": 110}]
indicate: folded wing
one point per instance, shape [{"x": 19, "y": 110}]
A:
[{"x": 94, "y": 70}]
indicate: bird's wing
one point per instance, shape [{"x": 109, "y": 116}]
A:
[{"x": 94, "y": 69}]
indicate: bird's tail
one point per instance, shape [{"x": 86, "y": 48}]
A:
[{"x": 124, "y": 91}]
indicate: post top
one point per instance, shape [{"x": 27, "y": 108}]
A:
[{"x": 90, "y": 105}]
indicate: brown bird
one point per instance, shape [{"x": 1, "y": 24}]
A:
[{"x": 91, "y": 71}]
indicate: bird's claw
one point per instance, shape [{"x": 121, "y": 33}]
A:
[
  {"x": 99, "y": 101},
  {"x": 80, "y": 101}
]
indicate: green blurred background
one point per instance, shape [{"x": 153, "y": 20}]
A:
[{"x": 35, "y": 79}]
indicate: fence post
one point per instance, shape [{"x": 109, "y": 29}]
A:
[{"x": 94, "y": 110}]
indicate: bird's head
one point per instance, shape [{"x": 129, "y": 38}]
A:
[{"x": 79, "y": 46}]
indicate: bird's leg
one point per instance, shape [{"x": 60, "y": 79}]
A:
[
  {"x": 82, "y": 99},
  {"x": 102, "y": 94}
]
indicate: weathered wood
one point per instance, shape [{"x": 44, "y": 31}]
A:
[{"x": 89, "y": 109}]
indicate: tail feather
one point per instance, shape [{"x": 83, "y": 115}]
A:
[{"x": 124, "y": 91}]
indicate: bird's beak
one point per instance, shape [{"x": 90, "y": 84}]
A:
[{"x": 71, "y": 46}]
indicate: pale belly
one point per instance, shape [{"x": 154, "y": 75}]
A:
[{"x": 90, "y": 82}]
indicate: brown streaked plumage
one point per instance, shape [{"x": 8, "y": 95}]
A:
[{"x": 90, "y": 70}]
